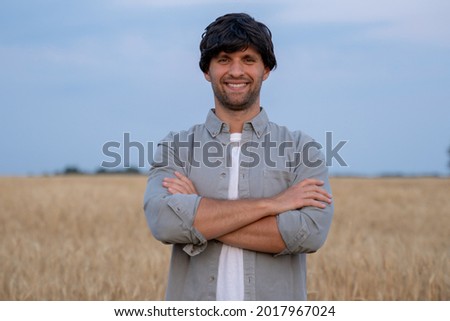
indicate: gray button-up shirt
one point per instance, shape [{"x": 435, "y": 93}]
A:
[{"x": 272, "y": 159}]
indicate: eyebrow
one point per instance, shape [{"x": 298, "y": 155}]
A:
[
  {"x": 228, "y": 55},
  {"x": 251, "y": 56}
]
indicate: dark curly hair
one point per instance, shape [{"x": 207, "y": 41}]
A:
[{"x": 233, "y": 32}]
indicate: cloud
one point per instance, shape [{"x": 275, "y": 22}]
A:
[
  {"x": 414, "y": 21},
  {"x": 411, "y": 20},
  {"x": 89, "y": 59},
  {"x": 164, "y": 3}
]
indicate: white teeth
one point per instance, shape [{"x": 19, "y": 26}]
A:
[{"x": 236, "y": 85}]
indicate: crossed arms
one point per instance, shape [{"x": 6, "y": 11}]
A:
[
  {"x": 296, "y": 220},
  {"x": 257, "y": 230}
]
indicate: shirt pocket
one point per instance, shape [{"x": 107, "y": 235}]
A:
[{"x": 275, "y": 181}]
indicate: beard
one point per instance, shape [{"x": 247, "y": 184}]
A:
[{"x": 237, "y": 102}]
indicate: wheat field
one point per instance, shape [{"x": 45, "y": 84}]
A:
[{"x": 86, "y": 238}]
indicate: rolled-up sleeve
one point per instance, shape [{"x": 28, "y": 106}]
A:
[
  {"x": 305, "y": 230},
  {"x": 171, "y": 217}
]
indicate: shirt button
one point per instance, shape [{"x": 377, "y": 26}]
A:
[
  {"x": 211, "y": 278},
  {"x": 223, "y": 174}
]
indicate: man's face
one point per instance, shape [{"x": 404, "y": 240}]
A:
[{"x": 236, "y": 79}]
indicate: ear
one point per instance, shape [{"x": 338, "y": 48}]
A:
[
  {"x": 207, "y": 77},
  {"x": 266, "y": 73}
]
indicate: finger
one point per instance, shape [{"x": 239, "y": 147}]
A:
[
  {"x": 318, "y": 204},
  {"x": 176, "y": 185},
  {"x": 181, "y": 183},
  {"x": 319, "y": 197},
  {"x": 173, "y": 190},
  {"x": 184, "y": 179},
  {"x": 171, "y": 180},
  {"x": 317, "y": 189},
  {"x": 177, "y": 189},
  {"x": 187, "y": 181},
  {"x": 323, "y": 192},
  {"x": 179, "y": 175},
  {"x": 314, "y": 203}
]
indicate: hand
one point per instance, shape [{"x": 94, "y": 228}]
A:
[
  {"x": 306, "y": 193},
  {"x": 179, "y": 185}
]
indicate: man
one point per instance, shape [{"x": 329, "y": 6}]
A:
[{"x": 241, "y": 199}]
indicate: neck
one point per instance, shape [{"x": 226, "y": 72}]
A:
[{"x": 236, "y": 118}]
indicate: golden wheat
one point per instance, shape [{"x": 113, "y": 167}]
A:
[{"x": 85, "y": 238}]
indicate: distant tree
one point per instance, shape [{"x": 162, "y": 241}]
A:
[
  {"x": 71, "y": 170},
  {"x": 448, "y": 150},
  {"x": 127, "y": 170},
  {"x": 101, "y": 170},
  {"x": 132, "y": 170}
]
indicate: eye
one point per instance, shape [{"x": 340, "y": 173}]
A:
[
  {"x": 249, "y": 60},
  {"x": 222, "y": 60}
]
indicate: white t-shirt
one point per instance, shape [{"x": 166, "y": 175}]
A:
[{"x": 230, "y": 279}]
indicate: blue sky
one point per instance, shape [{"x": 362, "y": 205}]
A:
[{"x": 77, "y": 74}]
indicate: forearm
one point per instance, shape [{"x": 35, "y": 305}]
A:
[
  {"x": 260, "y": 236},
  {"x": 216, "y": 218},
  {"x": 170, "y": 217},
  {"x": 305, "y": 230}
]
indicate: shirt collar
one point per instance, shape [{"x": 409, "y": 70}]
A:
[{"x": 258, "y": 123}]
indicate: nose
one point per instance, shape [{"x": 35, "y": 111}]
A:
[{"x": 236, "y": 69}]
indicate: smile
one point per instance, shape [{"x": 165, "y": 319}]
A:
[{"x": 236, "y": 85}]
